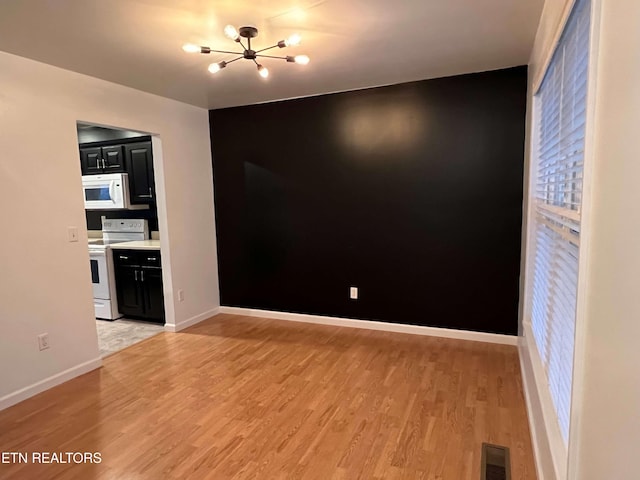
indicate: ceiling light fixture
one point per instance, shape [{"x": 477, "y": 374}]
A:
[{"x": 247, "y": 53}]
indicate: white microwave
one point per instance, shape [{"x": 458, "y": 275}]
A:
[{"x": 107, "y": 192}]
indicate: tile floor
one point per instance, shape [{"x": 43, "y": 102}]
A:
[{"x": 119, "y": 334}]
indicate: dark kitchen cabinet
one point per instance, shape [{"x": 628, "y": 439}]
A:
[
  {"x": 100, "y": 160},
  {"x": 91, "y": 160},
  {"x": 139, "y": 284},
  {"x": 131, "y": 156},
  {"x": 139, "y": 159},
  {"x": 153, "y": 300},
  {"x": 129, "y": 293},
  {"x": 113, "y": 158}
]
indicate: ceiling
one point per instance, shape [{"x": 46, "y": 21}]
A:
[{"x": 352, "y": 43}]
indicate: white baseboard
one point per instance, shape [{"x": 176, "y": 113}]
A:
[
  {"x": 375, "y": 325},
  {"x": 176, "y": 327},
  {"x": 549, "y": 450},
  {"x": 50, "y": 382}
]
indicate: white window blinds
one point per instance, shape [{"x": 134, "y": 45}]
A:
[{"x": 556, "y": 198}]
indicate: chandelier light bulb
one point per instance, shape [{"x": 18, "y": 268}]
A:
[
  {"x": 216, "y": 67},
  {"x": 293, "y": 40},
  {"x": 263, "y": 71},
  {"x": 191, "y": 48},
  {"x": 300, "y": 59},
  {"x": 231, "y": 32}
]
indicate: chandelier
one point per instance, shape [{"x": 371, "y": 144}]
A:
[{"x": 248, "y": 53}]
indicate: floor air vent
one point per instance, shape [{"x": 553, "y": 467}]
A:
[{"x": 495, "y": 463}]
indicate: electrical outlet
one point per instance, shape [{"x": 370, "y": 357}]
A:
[
  {"x": 43, "y": 341},
  {"x": 181, "y": 295},
  {"x": 72, "y": 233},
  {"x": 353, "y": 293}
]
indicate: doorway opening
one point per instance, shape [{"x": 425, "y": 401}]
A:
[{"x": 121, "y": 210}]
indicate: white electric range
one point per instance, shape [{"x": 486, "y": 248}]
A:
[{"x": 103, "y": 278}]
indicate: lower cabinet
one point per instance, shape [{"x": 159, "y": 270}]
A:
[
  {"x": 139, "y": 284},
  {"x": 129, "y": 291},
  {"x": 152, "y": 298}
]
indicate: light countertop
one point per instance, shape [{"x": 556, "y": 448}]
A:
[{"x": 137, "y": 245}]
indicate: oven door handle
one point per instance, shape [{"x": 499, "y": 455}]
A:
[{"x": 112, "y": 190}]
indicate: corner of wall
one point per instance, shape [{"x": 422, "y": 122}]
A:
[{"x": 177, "y": 327}]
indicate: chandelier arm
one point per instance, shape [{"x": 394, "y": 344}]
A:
[
  {"x": 235, "y": 59},
  {"x": 242, "y": 44},
  {"x": 271, "y": 56},
  {"x": 255, "y": 61},
  {"x": 226, "y": 51},
  {"x": 268, "y": 48}
]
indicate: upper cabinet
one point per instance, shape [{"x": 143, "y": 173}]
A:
[
  {"x": 91, "y": 160},
  {"x": 113, "y": 159},
  {"x": 139, "y": 161},
  {"x": 132, "y": 156},
  {"x": 98, "y": 160}
]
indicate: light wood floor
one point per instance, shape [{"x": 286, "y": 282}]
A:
[{"x": 238, "y": 397}]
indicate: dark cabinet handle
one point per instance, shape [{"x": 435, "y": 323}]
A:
[
  {"x": 122, "y": 257},
  {"x": 152, "y": 259},
  {"x": 142, "y": 275},
  {"x": 135, "y": 274}
]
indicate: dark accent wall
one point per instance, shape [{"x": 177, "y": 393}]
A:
[{"x": 411, "y": 192}]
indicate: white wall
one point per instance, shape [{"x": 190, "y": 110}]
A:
[
  {"x": 605, "y": 436},
  {"x": 605, "y": 426},
  {"x": 44, "y": 280}
]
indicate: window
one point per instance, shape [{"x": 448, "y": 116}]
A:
[{"x": 556, "y": 199}]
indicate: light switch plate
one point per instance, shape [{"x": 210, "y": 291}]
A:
[
  {"x": 353, "y": 293},
  {"x": 72, "y": 233},
  {"x": 43, "y": 341}
]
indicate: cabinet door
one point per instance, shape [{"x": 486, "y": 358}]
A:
[
  {"x": 153, "y": 297},
  {"x": 129, "y": 291},
  {"x": 91, "y": 160},
  {"x": 113, "y": 159},
  {"x": 139, "y": 161}
]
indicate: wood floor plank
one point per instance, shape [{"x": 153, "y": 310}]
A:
[{"x": 249, "y": 398}]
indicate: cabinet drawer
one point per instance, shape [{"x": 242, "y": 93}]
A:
[
  {"x": 126, "y": 257},
  {"x": 150, "y": 258},
  {"x": 139, "y": 258}
]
